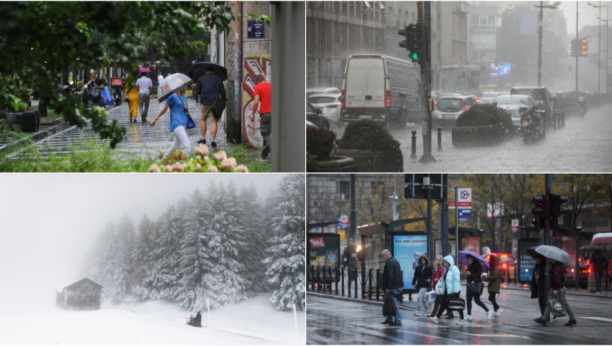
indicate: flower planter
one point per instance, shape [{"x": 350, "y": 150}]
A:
[
  {"x": 475, "y": 136},
  {"x": 338, "y": 164},
  {"x": 375, "y": 161}
]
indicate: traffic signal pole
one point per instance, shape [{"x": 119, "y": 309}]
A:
[
  {"x": 424, "y": 11},
  {"x": 547, "y": 240},
  {"x": 577, "y": 41}
]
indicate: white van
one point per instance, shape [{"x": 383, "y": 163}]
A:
[{"x": 380, "y": 88}]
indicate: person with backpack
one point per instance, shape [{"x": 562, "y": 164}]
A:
[
  {"x": 392, "y": 284},
  {"x": 422, "y": 283},
  {"x": 451, "y": 286},
  {"x": 474, "y": 275},
  {"x": 210, "y": 88},
  {"x": 557, "y": 290},
  {"x": 494, "y": 286}
]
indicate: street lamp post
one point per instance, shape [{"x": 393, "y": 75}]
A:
[
  {"x": 599, "y": 44},
  {"x": 541, "y": 7},
  {"x": 607, "y": 43}
]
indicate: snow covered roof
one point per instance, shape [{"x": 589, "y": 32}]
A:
[{"x": 70, "y": 283}]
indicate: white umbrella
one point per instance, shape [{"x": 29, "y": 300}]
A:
[
  {"x": 172, "y": 84},
  {"x": 550, "y": 252}
]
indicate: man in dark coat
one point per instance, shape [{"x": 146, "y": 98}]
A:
[
  {"x": 209, "y": 87},
  {"x": 557, "y": 290},
  {"x": 538, "y": 288},
  {"x": 392, "y": 283},
  {"x": 600, "y": 263}
]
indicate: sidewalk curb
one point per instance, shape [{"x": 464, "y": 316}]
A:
[
  {"x": 354, "y": 300},
  {"x": 567, "y": 292}
]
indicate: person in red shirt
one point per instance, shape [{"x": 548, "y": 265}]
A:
[
  {"x": 263, "y": 96},
  {"x": 437, "y": 274}
]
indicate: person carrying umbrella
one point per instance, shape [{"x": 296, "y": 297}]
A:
[
  {"x": 600, "y": 263},
  {"x": 210, "y": 88},
  {"x": 557, "y": 280},
  {"x": 474, "y": 275},
  {"x": 173, "y": 89},
  {"x": 538, "y": 289}
]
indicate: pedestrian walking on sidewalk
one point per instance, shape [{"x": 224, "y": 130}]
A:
[
  {"x": 449, "y": 313},
  {"x": 538, "y": 288},
  {"x": 557, "y": 290},
  {"x": 435, "y": 278},
  {"x": 145, "y": 90},
  {"x": 474, "y": 275},
  {"x": 209, "y": 87},
  {"x": 422, "y": 283},
  {"x": 600, "y": 264},
  {"x": 494, "y": 286},
  {"x": 263, "y": 96},
  {"x": 392, "y": 284},
  {"x": 451, "y": 284},
  {"x": 178, "y": 119},
  {"x": 131, "y": 91}
]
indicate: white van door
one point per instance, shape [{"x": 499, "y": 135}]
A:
[{"x": 365, "y": 83}]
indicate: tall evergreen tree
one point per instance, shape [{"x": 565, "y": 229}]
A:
[
  {"x": 141, "y": 264},
  {"x": 286, "y": 270},
  {"x": 164, "y": 272}
]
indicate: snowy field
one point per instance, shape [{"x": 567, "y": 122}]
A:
[{"x": 253, "y": 322}]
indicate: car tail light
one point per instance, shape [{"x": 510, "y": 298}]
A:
[
  {"x": 343, "y": 98},
  {"x": 388, "y": 97},
  {"x": 465, "y": 108},
  {"x": 504, "y": 266},
  {"x": 332, "y": 106},
  {"x": 435, "y": 106},
  {"x": 504, "y": 255}
]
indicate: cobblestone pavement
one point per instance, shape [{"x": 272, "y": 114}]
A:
[{"x": 140, "y": 138}]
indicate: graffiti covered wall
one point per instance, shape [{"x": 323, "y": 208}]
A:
[{"x": 254, "y": 64}]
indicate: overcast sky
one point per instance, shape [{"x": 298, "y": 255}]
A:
[
  {"x": 49, "y": 222},
  {"x": 587, "y": 15}
]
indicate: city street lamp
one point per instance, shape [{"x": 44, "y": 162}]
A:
[
  {"x": 599, "y": 43},
  {"x": 541, "y": 7},
  {"x": 607, "y": 40}
]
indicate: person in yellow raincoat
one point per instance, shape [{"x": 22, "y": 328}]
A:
[{"x": 131, "y": 90}]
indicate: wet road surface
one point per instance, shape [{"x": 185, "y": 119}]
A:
[
  {"x": 332, "y": 321},
  {"x": 583, "y": 145}
]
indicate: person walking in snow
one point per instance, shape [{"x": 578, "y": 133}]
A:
[
  {"x": 474, "y": 274},
  {"x": 392, "y": 284},
  {"x": 435, "y": 278},
  {"x": 422, "y": 283},
  {"x": 557, "y": 289},
  {"x": 494, "y": 286},
  {"x": 451, "y": 285}
]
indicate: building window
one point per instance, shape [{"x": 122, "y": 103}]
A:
[{"x": 344, "y": 189}]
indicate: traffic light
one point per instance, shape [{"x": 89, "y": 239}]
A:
[
  {"x": 580, "y": 47},
  {"x": 540, "y": 210},
  {"x": 557, "y": 208},
  {"x": 413, "y": 42}
]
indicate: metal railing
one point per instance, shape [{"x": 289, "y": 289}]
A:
[{"x": 344, "y": 282}]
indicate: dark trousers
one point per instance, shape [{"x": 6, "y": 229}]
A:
[
  {"x": 265, "y": 127},
  {"x": 477, "y": 300},
  {"x": 542, "y": 301},
  {"x": 446, "y": 300},
  {"x": 598, "y": 276},
  {"x": 143, "y": 104},
  {"x": 492, "y": 300},
  {"x": 437, "y": 303}
]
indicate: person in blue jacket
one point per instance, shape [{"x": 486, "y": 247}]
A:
[
  {"x": 178, "y": 120},
  {"x": 451, "y": 282}
]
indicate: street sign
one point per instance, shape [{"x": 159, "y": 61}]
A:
[
  {"x": 465, "y": 195},
  {"x": 462, "y": 205},
  {"x": 580, "y": 47},
  {"x": 344, "y": 220},
  {"x": 256, "y": 29},
  {"x": 465, "y": 213}
]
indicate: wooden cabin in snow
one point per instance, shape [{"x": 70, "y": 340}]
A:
[{"x": 84, "y": 294}]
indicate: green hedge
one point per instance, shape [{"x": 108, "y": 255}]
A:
[{"x": 368, "y": 135}]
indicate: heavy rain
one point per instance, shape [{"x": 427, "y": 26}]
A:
[{"x": 458, "y": 86}]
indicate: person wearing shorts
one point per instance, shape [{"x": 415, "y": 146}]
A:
[{"x": 209, "y": 87}]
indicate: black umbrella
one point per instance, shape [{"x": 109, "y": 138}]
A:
[
  {"x": 199, "y": 69},
  {"x": 591, "y": 248}
]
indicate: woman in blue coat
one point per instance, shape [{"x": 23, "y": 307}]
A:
[{"x": 451, "y": 282}]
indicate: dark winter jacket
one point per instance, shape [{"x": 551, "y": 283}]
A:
[
  {"x": 599, "y": 260},
  {"x": 557, "y": 276},
  {"x": 198, "y": 318},
  {"x": 208, "y": 87},
  {"x": 475, "y": 272},
  {"x": 392, "y": 275},
  {"x": 538, "y": 286},
  {"x": 494, "y": 276},
  {"x": 422, "y": 275}
]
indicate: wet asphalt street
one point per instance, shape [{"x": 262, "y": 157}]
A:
[
  {"x": 333, "y": 321},
  {"x": 583, "y": 145}
]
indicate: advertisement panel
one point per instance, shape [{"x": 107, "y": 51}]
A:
[
  {"x": 407, "y": 249},
  {"x": 323, "y": 249},
  {"x": 526, "y": 263},
  {"x": 471, "y": 244}
]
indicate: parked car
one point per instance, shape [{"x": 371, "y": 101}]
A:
[
  {"x": 488, "y": 97},
  {"x": 315, "y": 116},
  {"x": 542, "y": 97},
  {"x": 514, "y": 104},
  {"x": 449, "y": 108},
  {"x": 322, "y": 90},
  {"x": 330, "y": 104},
  {"x": 380, "y": 88}
]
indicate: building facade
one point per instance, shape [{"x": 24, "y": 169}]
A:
[{"x": 84, "y": 294}]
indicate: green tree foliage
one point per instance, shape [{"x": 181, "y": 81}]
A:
[{"x": 38, "y": 39}]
